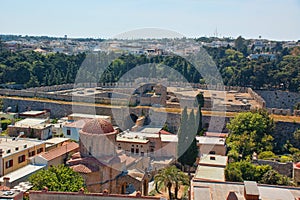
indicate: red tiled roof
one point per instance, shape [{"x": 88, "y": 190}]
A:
[
  {"x": 98, "y": 126},
  {"x": 164, "y": 132},
  {"x": 83, "y": 168},
  {"x": 59, "y": 151},
  {"x": 214, "y": 134},
  {"x": 78, "y": 124}
]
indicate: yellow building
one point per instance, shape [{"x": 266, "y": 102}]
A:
[{"x": 15, "y": 153}]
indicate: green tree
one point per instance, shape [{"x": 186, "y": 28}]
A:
[
  {"x": 60, "y": 178},
  {"x": 182, "y": 134},
  {"x": 240, "y": 45},
  {"x": 187, "y": 144},
  {"x": 171, "y": 177},
  {"x": 200, "y": 104},
  {"x": 272, "y": 177},
  {"x": 267, "y": 155},
  {"x": 250, "y": 132},
  {"x": 245, "y": 170}
]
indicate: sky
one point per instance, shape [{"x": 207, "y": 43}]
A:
[{"x": 270, "y": 19}]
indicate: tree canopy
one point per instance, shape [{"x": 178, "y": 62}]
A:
[
  {"x": 60, "y": 178},
  {"x": 250, "y": 132},
  {"x": 171, "y": 177},
  {"x": 234, "y": 65},
  {"x": 187, "y": 149}
]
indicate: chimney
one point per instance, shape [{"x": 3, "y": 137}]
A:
[
  {"x": 45, "y": 189},
  {"x": 138, "y": 194},
  {"x": 105, "y": 192},
  {"x": 81, "y": 191},
  {"x": 251, "y": 191},
  {"x": 6, "y": 181}
]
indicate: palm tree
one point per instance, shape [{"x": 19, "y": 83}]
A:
[
  {"x": 180, "y": 179},
  {"x": 171, "y": 176}
]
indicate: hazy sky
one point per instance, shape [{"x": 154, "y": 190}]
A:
[{"x": 272, "y": 19}]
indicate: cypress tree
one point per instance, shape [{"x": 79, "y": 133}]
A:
[
  {"x": 187, "y": 144},
  {"x": 200, "y": 104},
  {"x": 182, "y": 134}
]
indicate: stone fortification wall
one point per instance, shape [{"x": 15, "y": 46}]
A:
[
  {"x": 283, "y": 168},
  {"x": 279, "y": 99}
]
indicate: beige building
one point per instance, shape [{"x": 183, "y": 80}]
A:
[
  {"x": 15, "y": 153},
  {"x": 43, "y": 114},
  {"x": 211, "y": 145},
  {"x": 31, "y": 127},
  {"x": 211, "y": 167},
  {"x": 149, "y": 141}
]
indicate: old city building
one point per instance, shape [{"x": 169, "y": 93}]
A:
[{"x": 103, "y": 166}]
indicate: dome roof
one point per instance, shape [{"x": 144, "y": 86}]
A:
[
  {"x": 97, "y": 127},
  {"x": 298, "y": 165}
]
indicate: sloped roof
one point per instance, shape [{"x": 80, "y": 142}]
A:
[
  {"x": 78, "y": 124},
  {"x": 59, "y": 151}
]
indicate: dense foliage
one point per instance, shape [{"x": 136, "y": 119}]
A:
[
  {"x": 250, "y": 132},
  {"x": 60, "y": 178},
  {"x": 31, "y": 69},
  {"x": 171, "y": 177},
  {"x": 236, "y": 68},
  {"x": 245, "y": 170},
  {"x": 250, "y": 135},
  {"x": 187, "y": 150}
]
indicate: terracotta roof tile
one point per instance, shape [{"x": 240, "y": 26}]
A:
[
  {"x": 165, "y": 132},
  {"x": 59, "y": 151},
  {"x": 83, "y": 168},
  {"x": 98, "y": 126}
]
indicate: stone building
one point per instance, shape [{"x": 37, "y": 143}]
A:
[{"x": 102, "y": 166}]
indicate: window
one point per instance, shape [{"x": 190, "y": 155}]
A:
[
  {"x": 132, "y": 150},
  {"x": 68, "y": 132},
  {"x": 25, "y": 146},
  {"x": 32, "y": 153},
  {"x": 142, "y": 153},
  {"x": 21, "y": 158},
  {"x": 119, "y": 147},
  {"x": 212, "y": 158},
  {"x": 212, "y": 152},
  {"x": 39, "y": 150},
  {"x": 9, "y": 163},
  {"x": 8, "y": 151},
  {"x": 137, "y": 151},
  {"x": 17, "y": 148}
]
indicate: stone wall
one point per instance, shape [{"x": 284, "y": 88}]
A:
[
  {"x": 284, "y": 131},
  {"x": 283, "y": 168},
  {"x": 279, "y": 99},
  {"x": 277, "y": 111}
]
